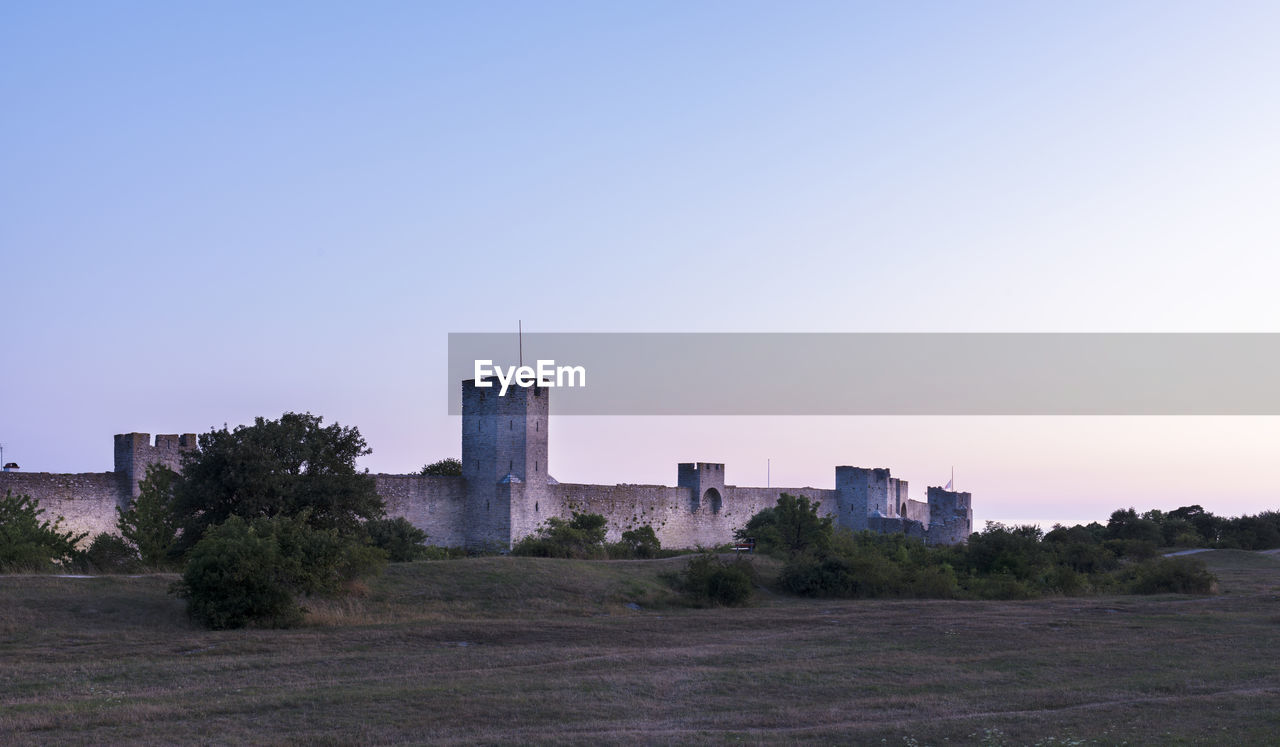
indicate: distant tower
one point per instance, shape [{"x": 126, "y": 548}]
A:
[
  {"x": 134, "y": 452},
  {"x": 504, "y": 457},
  {"x": 706, "y": 483},
  {"x": 950, "y": 516},
  {"x": 864, "y": 493}
]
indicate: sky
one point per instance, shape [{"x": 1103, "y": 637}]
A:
[{"x": 211, "y": 212}]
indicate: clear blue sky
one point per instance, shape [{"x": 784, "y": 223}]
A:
[{"x": 215, "y": 211}]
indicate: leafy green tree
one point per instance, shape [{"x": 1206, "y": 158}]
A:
[
  {"x": 791, "y": 527},
  {"x": 1013, "y": 550},
  {"x": 1260, "y": 532},
  {"x": 28, "y": 542},
  {"x": 150, "y": 524},
  {"x": 279, "y": 467},
  {"x": 1207, "y": 525},
  {"x": 1125, "y": 524},
  {"x": 447, "y": 467}
]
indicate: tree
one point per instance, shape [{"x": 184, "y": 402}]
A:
[
  {"x": 448, "y": 467},
  {"x": 28, "y": 542},
  {"x": 1207, "y": 525},
  {"x": 789, "y": 528},
  {"x": 1125, "y": 524},
  {"x": 1013, "y": 550},
  {"x": 279, "y": 467},
  {"x": 150, "y": 524}
]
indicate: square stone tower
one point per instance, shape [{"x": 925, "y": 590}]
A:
[
  {"x": 504, "y": 456},
  {"x": 950, "y": 516},
  {"x": 705, "y": 480}
]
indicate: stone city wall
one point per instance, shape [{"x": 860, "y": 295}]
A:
[
  {"x": 86, "y": 501},
  {"x": 435, "y": 504}
]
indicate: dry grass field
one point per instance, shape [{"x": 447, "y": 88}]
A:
[{"x": 522, "y": 650}]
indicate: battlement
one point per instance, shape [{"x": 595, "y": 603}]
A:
[
  {"x": 846, "y": 474},
  {"x": 174, "y": 441},
  {"x": 492, "y": 390},
  {"x": 134, "y": 452},
  {"x": 688, "y": 473}
]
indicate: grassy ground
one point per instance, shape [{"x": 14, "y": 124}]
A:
[{"x": 516, "y": 650}]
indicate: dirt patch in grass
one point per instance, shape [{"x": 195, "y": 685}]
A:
[{"x": 534, "y": 650}]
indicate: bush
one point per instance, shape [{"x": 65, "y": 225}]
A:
[
  {"x": 236, "y": 576},
  {"x": 28, "y": 543},
  {"x": 935, "y": 582},
  {"x": 581, "y": 537},
  {"x": 814, "y": 577},
  {"x": 639, "y": 543},
  {"x": 400, "y": 539},
  {"x": 1063, "y": 580},
  {"x": 872, "y": 567},
  {"x": 1010, "y": 562},
  {"x": 1171, "y": 575},
  {"x": 110, "y": 553},
  {"x": 437, "y": 552},
  {"x": 1084, "y": 557},
  {"x": 1132, "y": 549},
  {"x": 250, "y": 573},
  {"x": 709, "y": 579},
  {"x": 1002, "y": 586}
]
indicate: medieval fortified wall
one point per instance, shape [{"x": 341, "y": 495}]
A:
[{"x": 506, "y": 492}]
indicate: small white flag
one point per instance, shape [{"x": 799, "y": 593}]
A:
[{"x": 952, "y": 481}]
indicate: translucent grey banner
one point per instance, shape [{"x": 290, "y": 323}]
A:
[{"x": 886, "y": 374}]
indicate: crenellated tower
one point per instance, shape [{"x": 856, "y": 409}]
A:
[
  {"x": 134, "y": 452},
  {"x": 504, "y": 457},
  {"x": 706, "y": 483}
]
